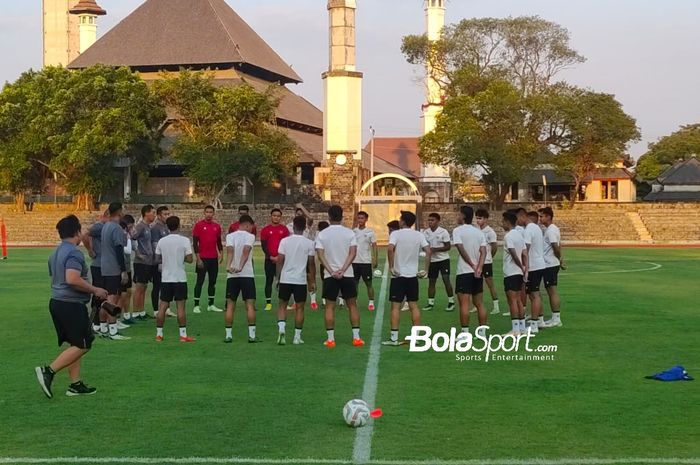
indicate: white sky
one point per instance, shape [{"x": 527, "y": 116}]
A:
[{"x": 643, "y": 51}]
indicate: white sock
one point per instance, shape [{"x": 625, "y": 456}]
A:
[
  {"x": 229, "y": 333},
  {"x": 297, "y": 334},
  {"x": 103, "y": 327},
  {"x": 281, "y": 326},
  {"x": 331, "y": 334},
  {"x": 533, "y": 325},
  {"x": 183, "y": 331},
  {"x": 523, "y": 328},
  {"x": 371, "y": 302},
  {"x": 449, "y": 299},
  {"x": 251, "y": 331},
  {"x": 431, "y": 301},
  {"x": 556, "y": 316},
  {"x": 323, "y": 301},
  {"x": 516, "y": 325},
  {"x": 127, "y": 316},
  {"x": 96, "y": 328},
  {"x": 112, "y": 329},
  {"x": 313, "y": 296},
  {"x": 356, "y": 333},
  {"x": 495, "y": 305},
  {"x": 394, "y": 335},
  {"x": 159, "y": 332},
  {"x": 141, "y": 313}
]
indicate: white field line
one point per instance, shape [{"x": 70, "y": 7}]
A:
[
  {"x": 310, "y": 461},
  {"x": 653, "y": 267},
  {"x": 362, "y": 449}
]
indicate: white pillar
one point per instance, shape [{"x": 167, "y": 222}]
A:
[{"x": 87, "y": 12}]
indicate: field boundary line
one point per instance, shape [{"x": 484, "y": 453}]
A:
[
  {"x": 317, "y": 461},
  {"x": 653, "y": 267},
  {"x": 362, "y": 447}
]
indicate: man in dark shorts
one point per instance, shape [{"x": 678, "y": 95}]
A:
[
  {"x": 515, "y": 263},
  {"x": 92, "y": 241},
  {"x": 125, "y": 298},
  {"x": 144, "y": 260},
  {"x": 553, "y": 261},
  {"x": 240, "y": 279},
  {"x": 70, "y": 293},
  {"x": 366, "y": 258},
  {"x": 158, "y": 231},
  {"x": 440, "y": 244},
  {"x": 113, "y": 268},
  {"x": 209, "y": 253}
]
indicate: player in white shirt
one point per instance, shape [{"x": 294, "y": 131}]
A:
[
  {"x": 296, "y": 275},
  {"x": 553, "y": 260},
  {"x": 173, "y": 251},
  {"x": 336, "y": 247},
  {"x": 521, "y": 215},
  {"x": 482, "y": 220},
  {"x": 405, "y": 246},
  {"x": 471, "y": 244},
  {"x": 240, "y": 279},
  {"x": 440, "y": 243},
  {"x": 514, "y": 271},
  {"x": 366, "y": 259},
  {"x": 534, "y": 240}
]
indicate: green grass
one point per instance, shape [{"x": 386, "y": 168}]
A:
[{"x": 263, "y": 401}]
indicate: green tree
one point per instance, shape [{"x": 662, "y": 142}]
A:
[
  {"x": 668, "y": 150},
  {"x": 586, "y": 130},
  {"x": 225, "y": 133}
]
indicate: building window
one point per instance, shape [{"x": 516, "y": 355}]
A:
[
  {"x": 608, "y": 190},
  {"x": 431, "y": 197}
]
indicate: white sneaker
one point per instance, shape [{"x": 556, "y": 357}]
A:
[
  {"x": 473, "y": 310},
  {"x": 480, "y": 332},
  {"x": 505, "y": 313},
  {"x": 541, "y": 324},
  {"x": 341, "y": 302},
  {"x": 512, "y": 333},
  {"x": 496, "y": 311},
  {"x": 118, "y": 337},
  {"x": 553, "y": 324},
  {"x": 534, "y": 329},
  {"x": 169, "y": 313},
  {"x": 214, "y": 308},
  {"x": 297, "y": 342},
  {"x": 121, "y": 325},
  {"x": 405, "y": 307},
  {"x": 197, "y": 309},
  {"x": 290, "y": 308}
]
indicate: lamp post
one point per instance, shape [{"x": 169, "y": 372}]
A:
[{"x": 371, "y": 160}]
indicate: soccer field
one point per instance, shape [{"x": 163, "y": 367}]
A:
[{"x": 627, "y": 313}]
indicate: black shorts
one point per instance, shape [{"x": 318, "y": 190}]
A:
[
  {"x": 534, "y": 278},
  {"x": 513, "y": 283},
  {"x": 437, "y": 268},
  {"x": 402, "y": 289},
  {"x": 467, "y": 283},
  {"x": 332, "y": 288},
  {"x": 243, "y": 286},
  {"x": 113, "y": 284},
  {"x": 299, "y": 292},
  {"x": 362, "y": 271},
  {"x": 173, "y": 291},
  {"x": 487, "y": 271},
  {"x": 96, "y": 273},
  {"x": 143, "y": 274},
  {"x": 72, "y": 323},
  {"x": 127, "y": 286},
  {"x": 551, "y": 276}
]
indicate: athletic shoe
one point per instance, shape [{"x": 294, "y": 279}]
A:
[
  {"x": 104, "y": 335},
  {"x": 197, "y": 309},
  {"x": 428, "y": 307},
  {"x": 290, "y": 308},
  {"x": 540, "y": 324},
  {"x": 505, "y": 313},
  {"x": 118, "y": 337},
  {"x": 450, "y": 307},
  {"x": 281, "y": 339},
  {"x": 495, "y": 311},
  {"x": 186, "y": 339},
  {"x": 121, "y": 325},
  {"x": 254, "y": 340},
  {"x": 329, "y": 344},
  {"x": 473, "y": 310},
  {"x": 391, "y": 343},
  {"x": 341, "y": 302},
  {"x": 159, "y": 338},
  {"x": 228, "y": 340},
  {"x": 169, "y": 313},
  {"x": 314, "y": 305},
  {"x": 534, "y": 329},
  {"x": 358, "y": 342},
  {"x": 405, "y": 307},
  {"x": 297, "y": 342},
  {"x": 268, "y": 307},
  {"x": 370, "y": 307},
  {"x": 553, "y": 324},
  {"x": 45, "y": 378},
  {"x": 141, "y": 318},
  {"x": 80, "y": 389},
  {"x": 129, "y": 321},
  {"x": 214, "y": 308}
]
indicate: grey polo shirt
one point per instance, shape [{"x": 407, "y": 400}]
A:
[{"x": 67, "y": 257}]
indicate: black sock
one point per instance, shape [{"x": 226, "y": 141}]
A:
[
  {"x": 268, "y": 301},
  {"x": 211, "y": 301},
  {"x": 196, "y": 301}
]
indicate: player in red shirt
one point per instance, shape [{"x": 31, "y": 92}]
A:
[
  {"x": 209, "y": 253},
  {"x": 270, "y": 238},
  {"x": 242, "y": 210}
]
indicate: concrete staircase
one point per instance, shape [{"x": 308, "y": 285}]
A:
[{"x": 642, "y": 231}]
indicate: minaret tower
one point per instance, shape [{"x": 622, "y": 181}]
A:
[
  {"x": 87, "y": 12},
  {"x": 342, "y": 115},
  {"x": 60, "y": 32},
  {"x": 434, "y": 177}
]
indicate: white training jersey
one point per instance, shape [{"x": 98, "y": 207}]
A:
[
  {"x": 408, "y": 244},
  {"x": 296, "y": 250},
  {"x": 336, "y": 241},
  {"x": 491, "y": 237},
  {"x": 365, "y": 239},
  {"x": 535, "y": 239},
  {"x": 552, "y": 235},
  {"x": 520, "y": 230},
  {"x": 512, "y": 240},
  {"x": 239, "y": 240},
  {"x": 436, "y": 239},
  {"x": 472, "y": 239},
  {"x": 173, "y": 249}
]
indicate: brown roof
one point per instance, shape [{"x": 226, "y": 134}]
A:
[
  {"x": 87, "y": 6},
  {"x": 683, "y": 173},
  {"x": 401, "y": 152},
  {"x": 382, "y": 166},
  {"x": 310, "y": 145},
  {"x": 610, "y": 173},
  {"x": 195, "y": 33}
]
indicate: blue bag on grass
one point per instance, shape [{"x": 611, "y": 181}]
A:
[{"x": 676, "y": 373}]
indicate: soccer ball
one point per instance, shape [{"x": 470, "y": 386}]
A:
[
  {"x": 356, "y": 413},
  {"x": 377, "y": 273}
]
